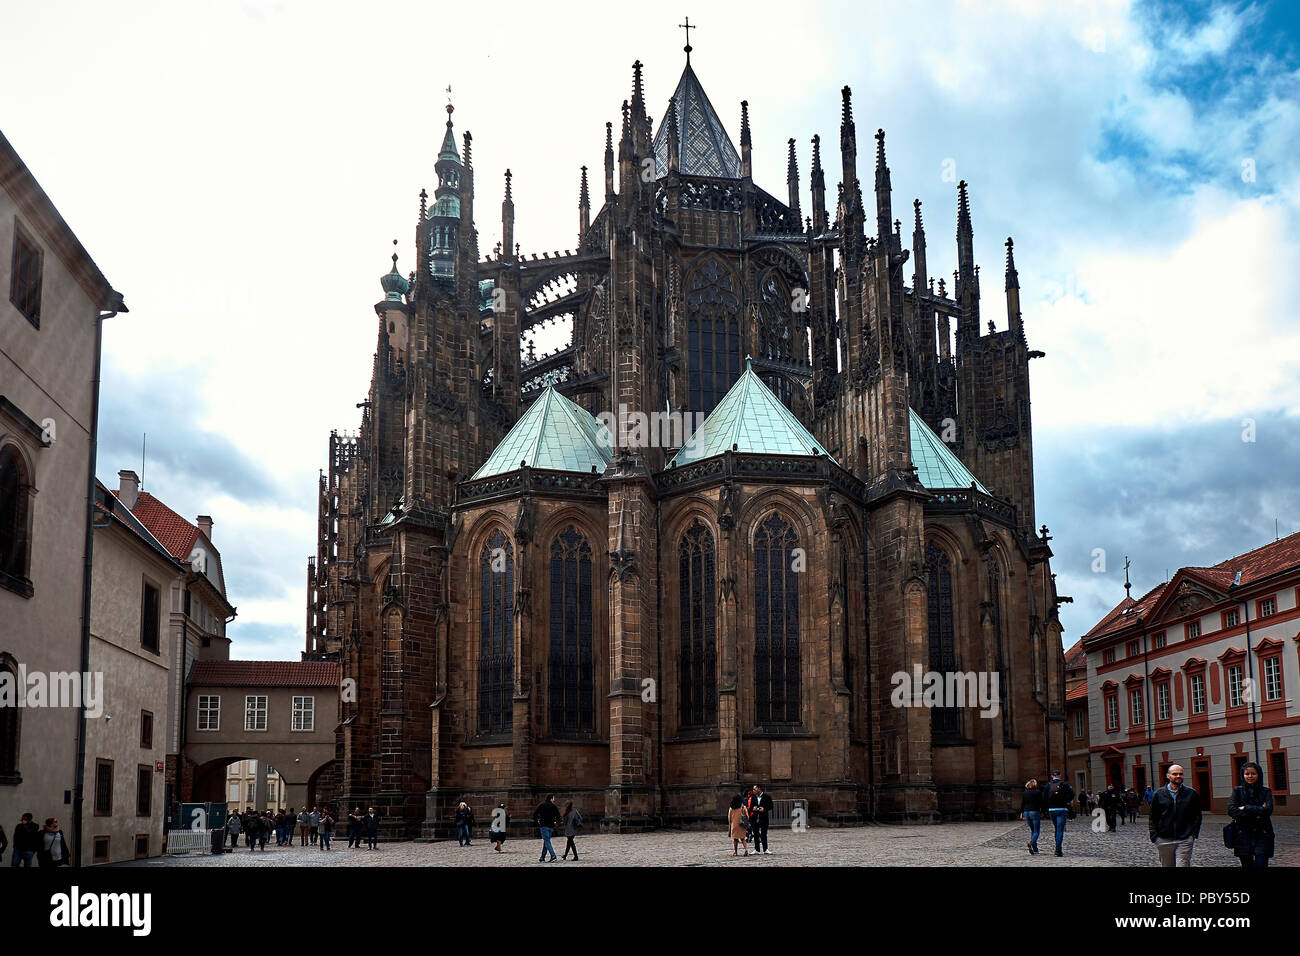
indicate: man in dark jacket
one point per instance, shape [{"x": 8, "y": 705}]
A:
[
  {"x": 547, "y": 817},
  {"x": 372, "y": 829},
  {"x": 761, "y": 814},
  {"x": 1175, "y": 820},
  {"x": 54, "y": 848},
  {"x": 1057, "y": 795},
  {"x": 27, "y": 841},
  {"x": 1111, "y": 804}
]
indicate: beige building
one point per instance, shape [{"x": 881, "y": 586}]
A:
[
  {"x": 50, "y": 331},
  {"x": 133, "y": 576},
  {"x": 241, "y": 786},
  {"x": 281, "y": 713}
]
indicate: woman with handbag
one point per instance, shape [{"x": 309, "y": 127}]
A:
[
  {"x": 739, "y": 824},
  {"x": 1251, "y": 809},
  {"x": 572, "y": 824}
]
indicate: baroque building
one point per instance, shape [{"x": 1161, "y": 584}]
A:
[{"x": 527, "y": 597}]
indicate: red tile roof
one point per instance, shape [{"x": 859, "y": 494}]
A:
[
  {"x": 1075, "y": 656},
  {"x": 265, "y": 674},
  {"x": 1077, "y": 693},
  {"x": 175, "y": 533},
  {"x": 1263, "y": 562}
]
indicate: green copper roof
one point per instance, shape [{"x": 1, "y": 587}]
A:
[
  {"x": 936, "y": 465},
  {"x": 554, "y": 433},
  {"x": 449, "y": 151},
  {"x": 754, "y": 420}
]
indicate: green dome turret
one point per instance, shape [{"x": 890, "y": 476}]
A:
[{"x": 394, "y": 284}]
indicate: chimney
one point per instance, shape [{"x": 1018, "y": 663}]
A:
[
  {"x": 205, "y": 525},
  {"x": 128, "y": 489}
]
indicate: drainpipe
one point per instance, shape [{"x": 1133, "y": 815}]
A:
[
  {"x": 78, "y": 793},
  {"x": 1250, "y": 665},
  {"x": 1146, "y": 680}
]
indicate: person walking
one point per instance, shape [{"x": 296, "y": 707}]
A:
[
  {"x": 761, "y": 812},
  {"x": 462, "y": 824},
  {"x": 1175, "y": 820},
  {"x": 572, "y": 824},
  {"x": 232, "y": 829},
  {"x": 279, "y": 827},
  {"x": 1131, "y": 801},
  {"x": 372, "y": 829},
  {"x": 1251, "y": 809},
  {"x": 304, "y": 826},
  {"x": 738, "y": 826},
  {"x": 326, "y": 828},
  {"x": 314, "y": 820},
  {"x": 27, "y": 842},
  {"x": 252, "y": 823},
  {"x": 290, "y": 826},
  {"x": 268, "y": 825},
  {"x": 1147, "y": 796},
  {"x": 1032, "y": 804},
  {"x": 1057, "y": 795},
  {"x": 547, "y": 817},
  {"x": 1111, "y": 803},
  {"x": 355, "y": 828},
  {"x": 500, "y": 824},
  {"x": 54, "y": 848}
]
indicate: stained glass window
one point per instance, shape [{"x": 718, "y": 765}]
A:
[
  {"x": 572, "y": 689},
  {"x": 698, "y": 652},
  {"x": 713, "y": 336},
  {"x": 944, "y": 721},
  {"x": 496, "y": 636},
  {"x": 776, "y": 622}
]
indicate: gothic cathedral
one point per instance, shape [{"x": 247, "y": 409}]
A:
[{"x": 526, "y": 598}]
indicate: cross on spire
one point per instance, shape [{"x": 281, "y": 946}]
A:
[
  {"x": 1127, "y": 585},
  {"x": 688, "y": 28}
]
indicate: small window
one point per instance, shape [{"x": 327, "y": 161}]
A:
[
  {"x": 1158, "y": 640},
  {"x": 146, "y": 730},
  {"x": 1078, "y": 724},
  {"x": 1134, "y": 648},
  {"x": 1272, "y": 678},
  {"x": 101, "y": 849},
  {"x": 103, "y": 788},
  {"x": 1267, "y": 607},
  {"x": 1277, "y": 771},
  {"x": 209, "y": 712},
  {"x": 252, "y": 793},
  {"x": 1193, "y": 630},
  {"x": 304, "y": 713},
  {"x": 141, "y": 846},
  {"x": 1235, "y": 696},
  {"x": 1108, "y": 656},
  {"x": 255, "y": 712},
  {"x": 1112, "y": 712},
  {"x": 151, "y": 604},
  {"x": 143, "y": 791},
  {"x": 1231, "y": 618},
  {"x": 1162, "y": 702},
  {"x": 25, "y": 277},
  {"x": 1198, "y": 693},
  {"x": 1135, "y": 700}
]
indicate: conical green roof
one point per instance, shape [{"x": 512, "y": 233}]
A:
[
  {"x": 936, "y": 465},
  {"x": 555, "y": 434},
  {"x": 449, "y": 150},
  {"x": 752, "y": 419}
]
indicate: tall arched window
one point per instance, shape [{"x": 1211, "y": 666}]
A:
[
  {"x": 944, "y": 721},
  {"x": 496, "y": 665},
  {"x": 699, "y": 647},
  {"x": 573, "y": 686},
  {"x": 776, "y": 339},
  {"x": 14, "y": 485},
  {"x": 713, "y": 334},
  {"x": 999, "y": 649},
  {"x": 776, "y": 623},
  {"x": 9, "y": 717}
]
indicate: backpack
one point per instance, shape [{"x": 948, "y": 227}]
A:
[{"x": 1053, "y": 789}]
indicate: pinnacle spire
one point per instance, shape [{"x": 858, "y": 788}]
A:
[
  {"x": 508, "y": 177},
  {"x": 468, "y": 149},
  {"x": 1013, "y": 278},
  {"x": 745, "y": 139},
  {"x": 792, "y": 181},
  {"x": 584, "y": 199}
]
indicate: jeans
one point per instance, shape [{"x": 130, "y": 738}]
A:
[
  {"x": 1254, "y": 862},
  {"x": 234, "y": 838},
  {"x": 1058, "y": 821},
  {"x": 314, "y": 833},
  {"x": 462, "y": 834},
  {"x": 546, "y": 843},
  {"x": 324, "y": 839},
  {"x": 760, "y": 833},
  {"x": 23, "y": 858},
  {"x": 570, "y": 845},
  {"x": 372, "y": 839},
  {"x": 1175, "y": 852},
  {"x": 303, "y": 831},
  {"x": 1035, "y": 820},
  {"x": 1110, "y": 820}
]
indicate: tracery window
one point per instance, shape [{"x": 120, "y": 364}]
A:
[
  {"x": 776, "y": 623},
  {"x": 572, "y": 686},
  {"x": 999, "y": 647},
  {"x": 944, "y": 721},
  {"x": 776, "y": 333},
  {"x": 698, "y": 704},
  {"x": 713, "y": 336},
  {"x": 496, "y": 663}
]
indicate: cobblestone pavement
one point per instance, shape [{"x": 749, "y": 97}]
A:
[{"x": 950, "y": 844}]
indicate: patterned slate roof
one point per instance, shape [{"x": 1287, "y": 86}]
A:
[
  {"x": 1076, "y": 656},
  {"x": 753, "y": 420},
  {"x": 265, "y": 674},
  {"x": 555, "y": 434},
  {"x": 936, "y": 465},
  {"x": 703, "y": 146}
]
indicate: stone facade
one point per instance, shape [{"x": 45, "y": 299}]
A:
[{"x": 688, "y": 270}]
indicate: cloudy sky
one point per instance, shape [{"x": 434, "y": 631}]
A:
[{"x": 239, "y": 172}]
